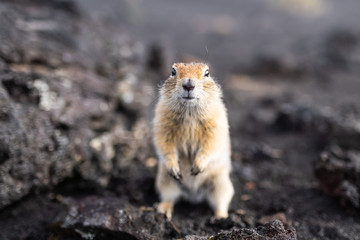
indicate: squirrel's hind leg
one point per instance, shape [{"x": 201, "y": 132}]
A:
[
  {"x": 169, "y": 191},
  {"x": 220, "y": 194}
]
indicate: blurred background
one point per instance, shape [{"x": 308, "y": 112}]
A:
[
  {"x": 233, "y": 35},
  {"x": 79, "y": 82}
]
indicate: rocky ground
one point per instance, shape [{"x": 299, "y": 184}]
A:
[{"x": 76, "y": 159}]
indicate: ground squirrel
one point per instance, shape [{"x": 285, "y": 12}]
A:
[{"x": 191, "y": 135}]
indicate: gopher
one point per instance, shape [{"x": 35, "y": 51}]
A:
[{"x": 191, "y": 137}]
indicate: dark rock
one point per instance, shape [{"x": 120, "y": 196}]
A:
[
  {"x": 270, "y": 231},
  {"x": 94, "y": 216},
  {"x": 338, "y": 172},
  {"x": 29, "y": 218},
  {"x": 338, "y": 48},
  {"x": 335, "y": 127},
  {"x": 155, "y": 58},
  {"x": 292, "y": 117},
  {"x": 261, "y": 152},
  {"x": 232, "y": 221},
  {"x": 38, "y": 33},
  {"x": 337, "y": 51},
  {"x": 268, "y": 65},
  {"x": 195, "y": 237},
  {"x": 327, "y": 231},
  {"x": 277, "y": 216},
  {"x": 338, "y": 133},
  {"x": 58, "y": 117},
  {"x": 39, "y": 136}
]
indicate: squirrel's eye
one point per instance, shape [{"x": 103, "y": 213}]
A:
[
  {"x": 207, "y": 73},
  {"x": 173, "y": 72}
]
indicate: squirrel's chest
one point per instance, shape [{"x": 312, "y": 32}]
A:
[{"x": 189, "y": 140}]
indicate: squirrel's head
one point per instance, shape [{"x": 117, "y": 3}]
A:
[{"x": 190, "y": 84}]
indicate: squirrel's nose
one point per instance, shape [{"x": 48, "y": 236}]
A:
[{"x": 189, "y": 85}]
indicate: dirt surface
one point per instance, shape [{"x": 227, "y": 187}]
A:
[{"x": 77, "y": 90}]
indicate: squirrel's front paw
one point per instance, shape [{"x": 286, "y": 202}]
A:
[
  {"x": 174, "y": 169},
  {"x": 196, "y": 169},
  {"x": 175, "y": 173},
  {"x": 199, "y": 166}
]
